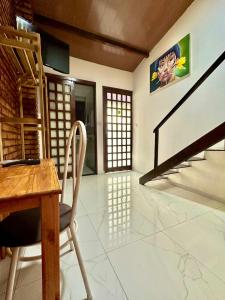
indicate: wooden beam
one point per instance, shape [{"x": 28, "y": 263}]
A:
[
  {"x": 21, "y": 125},
  {"x": 32, "y": 63},
  {"x": 47, "y": 118},
  {"x": 18, "y": 33},
  {"x": 1, "y": 145},
  {"x": 20, "y": 120},
  {"x": 41, "y": 98},
  {"x": 16, "y": 44},
  {"x": 32, "y": 128},
  {"x": 29, "y": 86},
  {"x": 89, "y": 35}
]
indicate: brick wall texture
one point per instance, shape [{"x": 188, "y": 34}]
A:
[
  {"x": 9, "y": 95},
  {"x": 24, "y": 9}
]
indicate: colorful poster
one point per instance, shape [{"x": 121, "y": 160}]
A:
[{"x": 172, "y": 66}]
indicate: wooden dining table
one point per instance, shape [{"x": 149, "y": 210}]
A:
[{"x": 25, "y": 187}]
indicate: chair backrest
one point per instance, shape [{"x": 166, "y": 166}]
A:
[{"x": 77, "y": 143}]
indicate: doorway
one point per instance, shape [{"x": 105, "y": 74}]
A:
[
  {"x": 85, "y": 111},
  {"x": 117, "y": 114},
  {"x": 70, "y": 100}
]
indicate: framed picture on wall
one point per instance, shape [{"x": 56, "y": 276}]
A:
[{"x": 172, "y": 66}]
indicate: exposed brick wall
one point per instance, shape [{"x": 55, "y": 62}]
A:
[
  {"x": 9, "y": 96},
  {"x": 24, "y": 9},
  {"x": 9, "y": 104},
  {"x": 7, "y": 12}
]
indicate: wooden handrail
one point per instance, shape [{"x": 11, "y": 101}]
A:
[
  {"x": 219, "y": 60},
  {"x": 206, "y": 141}
]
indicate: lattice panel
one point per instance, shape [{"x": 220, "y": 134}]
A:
[
  {"x": 119, "y": 209},
  {"x": 118, "y": 129},
  {"x": 60, "y": 97}
]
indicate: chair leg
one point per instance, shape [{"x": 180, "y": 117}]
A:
[
  {"x": 69, "y": 237},
  {"x": 81, "y": 264},
  {"x": 12, "y": 273}
]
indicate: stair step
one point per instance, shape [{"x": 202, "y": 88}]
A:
[
  {"x": 180, "y": 166},
  {"x": 170, "y": 172},
  {"x": 196, "y": 158},
  {"x": 215, "y": 150},
  {"x": 159, "y": 178}
]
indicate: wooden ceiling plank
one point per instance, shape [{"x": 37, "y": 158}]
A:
[
  {"x": 89, "y": 35},
  {"x": 139, "y": 25},
  {"x": 100, "y": 53}
]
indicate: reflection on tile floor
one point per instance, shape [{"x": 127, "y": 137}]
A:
[{"x": 154, "y": 242}]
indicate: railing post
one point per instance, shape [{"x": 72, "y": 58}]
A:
[{"x": 156, "y": 148}]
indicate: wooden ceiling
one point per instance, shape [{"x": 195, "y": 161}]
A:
[{"x": 115, "y": 33}]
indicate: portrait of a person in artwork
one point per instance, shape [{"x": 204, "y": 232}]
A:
[
  {"x": 167, "y": 65},
  {"x": 173, "y": 65}
]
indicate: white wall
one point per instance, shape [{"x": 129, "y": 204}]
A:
[
  {"x": 103, "y": 76},
  {"x": 205, "y": 21}
]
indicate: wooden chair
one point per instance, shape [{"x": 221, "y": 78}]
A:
[{"x": 21, "y": 229}]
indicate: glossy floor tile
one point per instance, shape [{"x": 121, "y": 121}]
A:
[
  {"x": 103, "y": 281},
  {"x": 153, "y": 242},
  {"x": 157, "y": 268},
  {"x": 204, "y": 239},
  {"x": 166, "y": 209}
]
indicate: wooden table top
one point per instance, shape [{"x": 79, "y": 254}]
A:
[{"x": 26, "y": 181}]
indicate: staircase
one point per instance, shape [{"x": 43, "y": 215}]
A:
[
  {"x": 189, "y": 155},
  {"x": 206, "y": 177}
]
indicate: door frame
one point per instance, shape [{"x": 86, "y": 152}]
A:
[
  {"x": 106, "y": 89},
  {"x": 82, "y": 82}
]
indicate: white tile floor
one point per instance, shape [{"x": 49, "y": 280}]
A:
[{"x": 154, "y": 242}]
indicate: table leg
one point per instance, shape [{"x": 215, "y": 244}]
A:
[
  {"x": 50, "y": 247},
  {"x": 2, "y": 249},
  {"x": 2, "y": 253}
]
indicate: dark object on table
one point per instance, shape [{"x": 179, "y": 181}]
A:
[{"x": 21, "y": 162}]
